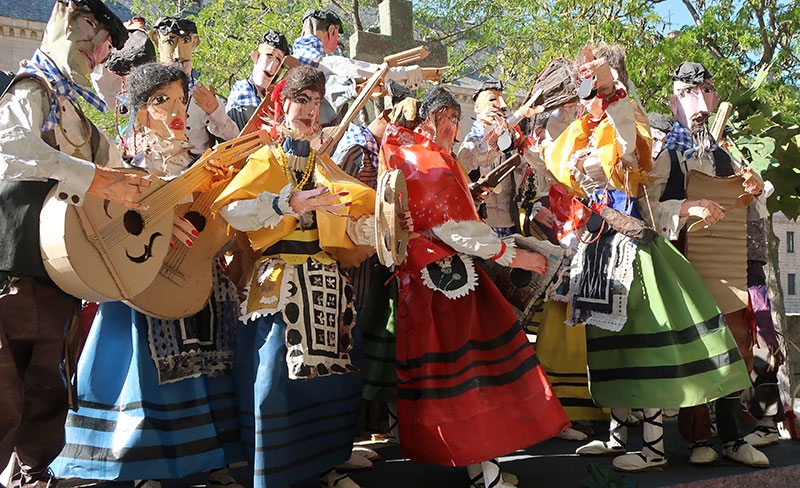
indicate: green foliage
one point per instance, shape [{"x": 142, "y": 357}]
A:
[
  {"x": 771, "y": 146},
  {"x": 750, "y": 47}
]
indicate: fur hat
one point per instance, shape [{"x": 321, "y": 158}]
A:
[
  {"x": 138, "y": 50},
  {"x": 437, "y": 98}
]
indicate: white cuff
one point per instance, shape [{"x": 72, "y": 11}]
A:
[
  {"x": 74, "y": 177},
  {"x": 508, "y": 253}
]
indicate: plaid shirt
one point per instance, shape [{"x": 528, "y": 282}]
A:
[
  {"x": 357, "y": 135},
  {"x": 243, "y": 93},
  {"x": 193, "y": 80},
  {"x": 680, "y": 139},
  {"x": 308, "y": 50},
  {"x": 42, "y": 66}
]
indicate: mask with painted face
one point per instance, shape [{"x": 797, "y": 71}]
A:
[
  {"x": 79, "y": 37},
  {"x": 159, "y": 95},
  {"x": 176, "y": 40}
]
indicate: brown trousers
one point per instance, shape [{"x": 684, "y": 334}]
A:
[
  {"x": 33, "y": 394},
  {"x": 733, "y": 422}
]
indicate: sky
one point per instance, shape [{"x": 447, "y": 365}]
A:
[{"x": 674, "y": 11}]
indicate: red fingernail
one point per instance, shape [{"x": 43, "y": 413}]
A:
[
  {"x": 171, "y": 245},
  {"x": 347, "y": 204},
  {"x": 343, "y": 193},
  {"x": 189, "y": 243},
  {"x": 195, "y": 233}
]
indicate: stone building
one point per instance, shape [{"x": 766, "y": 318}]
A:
[
  {"x": 788, "y": 232},
  {"x": 22, "y": 27}
]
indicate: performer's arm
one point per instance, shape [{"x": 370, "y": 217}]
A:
[{"x": 25, "y": 156}]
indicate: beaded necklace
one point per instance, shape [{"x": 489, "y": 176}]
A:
[{"x": 307, "y": 172}]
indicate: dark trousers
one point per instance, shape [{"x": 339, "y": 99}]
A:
[
  {"x": 733, "y": 421},
  {"x": 34, "y": 318}
]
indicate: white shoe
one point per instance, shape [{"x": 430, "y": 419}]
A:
[
  {"x": 335, "y": 479},
  {"x": 221, "y": 478},
  {"x": 598, "y": 448},
  {"x": 636, "y": 461},
  {"x": 572, "y": 435},
  {"x": 508, "y": 479},
  {"x": 355, "y": 463},
  {"x": 762, "y": 436},
  {"x": 702, "y": 454},
  {"x": 742, "y": 452},
  {"x": 366, "y": 452}
]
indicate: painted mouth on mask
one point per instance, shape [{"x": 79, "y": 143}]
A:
[
  {"x": 176, "y": 124},
  {"x": 700, "y": 118},
  {"x": 89, "y": 55}
]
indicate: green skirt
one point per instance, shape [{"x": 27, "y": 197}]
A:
[
  {"x": 378, "y": 323},
  {"x": 675, "y": 349}
]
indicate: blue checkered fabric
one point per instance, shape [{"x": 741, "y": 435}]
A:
[
  {"x": 357, "y": 135},
  {"x": 308, "y": 50},
  {"x": 680, "y": 139},
  {"x": 42, "y": 66},
  {"x": 193, "y": 81},
  {"x": 243, "y": 94},
  {"x": 477, "y": 131}
]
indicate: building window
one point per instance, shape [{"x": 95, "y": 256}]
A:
[
  {"x": 789, "y": 241},
  {"x": 791, "y": 286}
]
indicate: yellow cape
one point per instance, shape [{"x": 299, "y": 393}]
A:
[
  {"x": 576, "y": 137},
  {"x": 263, "y": 173}
]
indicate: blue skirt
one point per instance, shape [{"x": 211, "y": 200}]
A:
[
  {"x": 291, "y": 429},
  {"x": 130, "y": 427}
]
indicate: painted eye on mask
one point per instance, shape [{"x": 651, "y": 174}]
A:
[{"x": 91, "y": 22}]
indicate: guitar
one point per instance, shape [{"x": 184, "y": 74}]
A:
[
  {"x": 183, "y": 284},
  {"x": 104, "y": 251}
]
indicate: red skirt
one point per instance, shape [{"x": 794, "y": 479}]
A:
[{"x": 470, "y": 387}]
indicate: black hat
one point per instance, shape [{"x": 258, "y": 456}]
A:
[
  {"x": 488, "y": 85},
  {"x": 138, "y": 50},
  {"x": 326, "y": 16},
  {"x": 175, "y": 25},
  {"x": 397, "y": 91},
  {"x": 660, "y": 122},
  {"x": 691, "y": 73},
  {"x": 115, "y": 27},
  {"x": 276, "y": 40},
  {"x": 437, "y": 98}
]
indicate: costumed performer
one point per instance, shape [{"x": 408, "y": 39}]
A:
[
  {"x": 470, "y": 387},
  {"x": 690, "y": 147},
  {"x": 299, "y": 389},
  {"x": 46, "y": 142},
  {"x": 246, "y": 95},
  {"x": 655, "y": 337},
  {"x": 156, "y": 396},
  {"x": 206, "y": 120}
]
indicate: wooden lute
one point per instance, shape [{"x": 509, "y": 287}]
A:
[
  {"x": 183, "y": 284},
  {"x": 105, "y": 251}
]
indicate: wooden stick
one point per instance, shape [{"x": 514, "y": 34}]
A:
[
  {"x": 405, "y": 57},
  {"x": 718, "y": 128},
  {"x": 255, "y": 120}
]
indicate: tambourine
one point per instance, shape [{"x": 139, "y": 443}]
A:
[{"x": 391, "y": 200}]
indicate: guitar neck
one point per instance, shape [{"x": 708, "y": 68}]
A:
[{"x": 230, "y": 154}]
